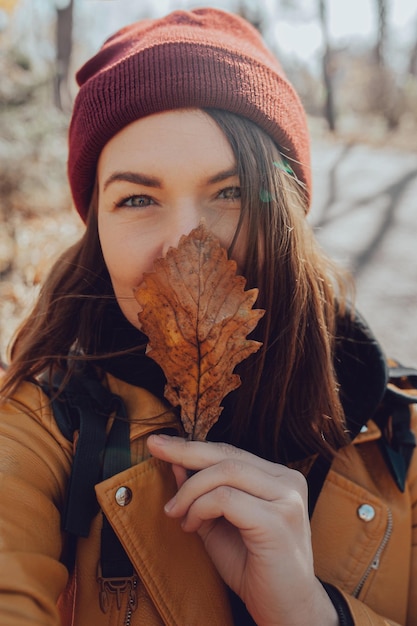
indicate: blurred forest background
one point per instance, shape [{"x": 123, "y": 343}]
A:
[{"x": 360, "y": 92}]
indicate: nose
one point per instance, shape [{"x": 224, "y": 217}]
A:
[{"x": 182, "y": 221}]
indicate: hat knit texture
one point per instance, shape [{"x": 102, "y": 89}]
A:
[{"x": 205, "y": 58}]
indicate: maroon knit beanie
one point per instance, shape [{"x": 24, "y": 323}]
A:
[{"x": 204, "y": 58}]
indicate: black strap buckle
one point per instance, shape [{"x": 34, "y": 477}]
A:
[{"x": 117, "y": 586}]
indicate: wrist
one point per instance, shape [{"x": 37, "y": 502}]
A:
[{"x": 319, "y": 608}]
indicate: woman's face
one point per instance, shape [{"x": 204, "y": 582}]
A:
[{"x": 157, "y": 178}]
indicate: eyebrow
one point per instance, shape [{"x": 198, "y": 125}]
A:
[
  {"x": 151, "y": 181},
  {"x": 224, "y": 175},
  {"x": 133, "y": 177}
]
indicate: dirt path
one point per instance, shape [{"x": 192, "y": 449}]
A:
[{"x": 365, "y": 215}]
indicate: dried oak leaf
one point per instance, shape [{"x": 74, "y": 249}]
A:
[{"x": 197, "y": 315}]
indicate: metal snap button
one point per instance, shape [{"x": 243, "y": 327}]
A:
[
  {"x": 366, "y": 512},
  {"x": 123, "y": 496}
]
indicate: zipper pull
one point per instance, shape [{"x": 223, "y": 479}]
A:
[{"x": 375, "y": 563}]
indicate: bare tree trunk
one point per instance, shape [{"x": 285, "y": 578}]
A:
[
  {"x": 63, "y": 55},
  {"x": 329, "y": 107},
  {"x": 381, "y": 6},
  {"x": 384, "y": 89},
  {"x": 412, "y": 67},
  {"x": 252, "y": 15}
]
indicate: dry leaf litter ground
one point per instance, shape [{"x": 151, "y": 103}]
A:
[{"x": 36, "y": 219}]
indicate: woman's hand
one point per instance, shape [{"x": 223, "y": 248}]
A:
[{"x": 252, "y": 517}]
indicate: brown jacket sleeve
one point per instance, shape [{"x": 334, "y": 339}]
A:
[
  {"x": 35, "y": 463},
  {"x": 412, "y": 481}
]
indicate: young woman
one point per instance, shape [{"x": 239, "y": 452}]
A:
[{"x": 300, "y": 508}]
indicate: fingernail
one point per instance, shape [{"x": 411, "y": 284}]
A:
[
  {"x": 161, "y": 439},
  {"x": 170, "y": 505}
]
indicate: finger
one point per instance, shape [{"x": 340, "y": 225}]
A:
[
  {"x": 255, "y": 518},
  {"x": 197, "y": 455},
  {"x": 180, "y": 474},
  {"x": 283, "y": 486},
  {"x": 221, "y": 502}
]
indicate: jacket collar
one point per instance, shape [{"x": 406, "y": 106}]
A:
[
  {"x": 361, "y": 369},
  {"x": 116, "y": 336}
]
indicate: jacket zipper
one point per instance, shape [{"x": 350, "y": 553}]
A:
[
  {"x": 374, "y": 565},
  {"x": 131, "y": 603}
]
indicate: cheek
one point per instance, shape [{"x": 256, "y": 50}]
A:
[
  {"x": 125, "y": 252},
  {"x": 128, "y": 253},
  {"x": 126, "y": 261},
  {"x": 116, "y": 253},
  {"x": 240, "y": 247}
]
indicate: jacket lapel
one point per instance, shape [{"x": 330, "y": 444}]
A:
[{"x": 173, "y": 566}]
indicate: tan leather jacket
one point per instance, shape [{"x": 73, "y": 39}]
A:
[{"x": 364, "y": 531}]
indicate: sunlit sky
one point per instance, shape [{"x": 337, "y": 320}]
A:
[
  {"x": 346, "y": 17},
  {"x": 297, "y": 34}
]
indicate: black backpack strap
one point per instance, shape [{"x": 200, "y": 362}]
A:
[
  {"x": 84, "y": 404},
  {"x": 116, "y": 574},
  {"x": 393, "y": 418},
  {"x": 315, "y": 480},
  {"x": 115, "y": 561}
]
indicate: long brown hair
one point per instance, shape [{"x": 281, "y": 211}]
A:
[
  {"x": 67, "y": 314},
  {"x": 289, "y": 394}
]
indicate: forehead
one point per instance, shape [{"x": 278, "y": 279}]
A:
[{"x": 187, "y": 137}]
